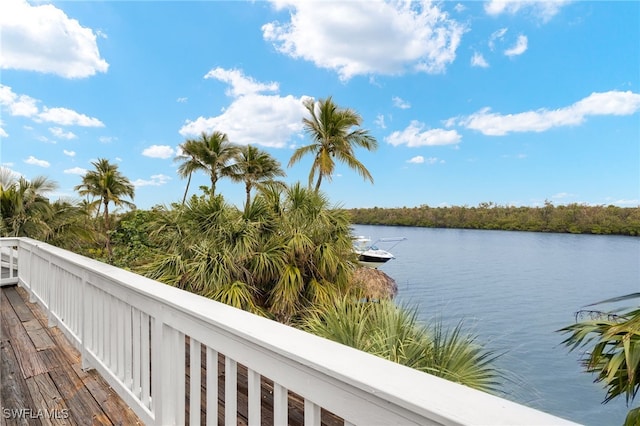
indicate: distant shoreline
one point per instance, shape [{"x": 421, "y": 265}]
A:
[{"x": 572, "y": 218}]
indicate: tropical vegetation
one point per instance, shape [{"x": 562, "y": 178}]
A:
[
  {"x": 334, "y": 132},
  {"x": 288, "y": 251},
  {"x": 287, "y": 254},
  {"x": 572, "y": 218},
  {"x": 613, "y": 354},
  {"x": 394, "y": 333},
  {"x": 255, "y": 168},
  {"x": 24, "y": 206},
  {"x": 211, "y": 153},
  {"x": 102, "y": 186}
]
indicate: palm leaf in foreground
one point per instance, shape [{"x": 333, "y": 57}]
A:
[
  {"x": 614, "y": 357},
  {"x": 394, "y": 333}
]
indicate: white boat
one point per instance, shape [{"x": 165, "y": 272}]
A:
[{"x": 369, "y": 254}]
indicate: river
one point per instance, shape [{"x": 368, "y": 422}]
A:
[{"x": 514, "y": 290}]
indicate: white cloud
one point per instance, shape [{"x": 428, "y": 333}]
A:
[
  {"x": 69, "y": 153},
  {"x": 3, "y": 133},
  {"x": 26, "y": 106},
  {"x": 76, "y": 171},
  {"x": 156, "y": 180},
  {"x": 252, "y": 117},
  {"x": 562, "y": 195},
  {"x": 61, "y": 134},
  {"x": 496, "y": 35},
  {"x": 419, "y": 159},
  {"x": 379, "y": 121},
  {"x": 606, "y": 103},
  {"x": 400, "y": 103},
  {"x": 417, "y": 36},
  {"x": 158, "y": 151},
  {"x": 181, "y": 100},
  {"x": 68, "y": 117},
  {"x": 477, "y": 60},
  {"x": 107, "y": 139},
  {"x": 414, "y": 136},
  {"x": 35, "y": 162},
  {"x": 18, "y": 105},
  {"x": 632, "y": 202},
  {"x": 544, "y": 10},
  {"x": 519, "y": 48},
  {"x": 240, "y": 84},
  {"x": 459, "y": 7},
  {"x": 43, "y": 38}
]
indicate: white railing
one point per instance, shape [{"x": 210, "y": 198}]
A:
[
  {"x": 9, "y": 262},
  {"x": 133, "y": 331}
]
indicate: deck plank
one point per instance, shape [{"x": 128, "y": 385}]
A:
[
  {"x": 15, "y": 392},
  {"x": 18, "y": 305},
  {"x": 45, "y": 395},
  {"x": 117, "y": 411},
  {"x": 24, "y": 348},
  {"x": 54, "y": 383}
]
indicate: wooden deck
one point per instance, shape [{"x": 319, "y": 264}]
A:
[
  {"x": 41, "y": 375},
  {"x": 43, "y": 382}
]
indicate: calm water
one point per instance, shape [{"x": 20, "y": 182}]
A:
[{"x": 513, "y": 290}]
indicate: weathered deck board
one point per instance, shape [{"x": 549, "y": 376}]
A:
[{"x": 41, "y": 372}]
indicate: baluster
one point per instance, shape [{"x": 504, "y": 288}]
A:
[
  {"x": 136, "y": 343},
  {"x": 212, "y": 387},
  {"x": 254, "y": 396},
  {"x": 230, "y": 392},
  {"x": 145, "y": 364},
  {"x": 128, "y": 345},
  {"x": 312, "y": 413},
  {"x": 113, "y": 334},
  {"x": 194, "y": 391},
  {"x": 280, "y": 405}
]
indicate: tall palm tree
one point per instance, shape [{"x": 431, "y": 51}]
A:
[
  {"x": 335, "y": 132},
  {"x": 254, "y": 167},
  {"x": 211, "y": 153},
  {"x": 107, "y": 185}
]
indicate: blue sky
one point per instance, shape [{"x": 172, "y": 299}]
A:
[{"x": 509, "y": 102}]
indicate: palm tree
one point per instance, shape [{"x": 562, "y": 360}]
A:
[
  {"x": 210, "y": 153},
  {"x": 254, "y": 167},
  {"x": 614, "y": 338},
  {"x": 394, "y": 333},
  {"x": 335, "y": 133},
  {"x": 24, "y": 208},
  {"x": 289, "y": 251},
  {"x": 107, "y": 185}
]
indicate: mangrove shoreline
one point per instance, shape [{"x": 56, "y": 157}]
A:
[{"x": 571, "y": 218}]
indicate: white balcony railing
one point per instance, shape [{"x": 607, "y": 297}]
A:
[{"x": 133, "y": 330}]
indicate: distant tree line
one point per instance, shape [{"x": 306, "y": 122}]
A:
[{"x": 571, "y": 218}]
